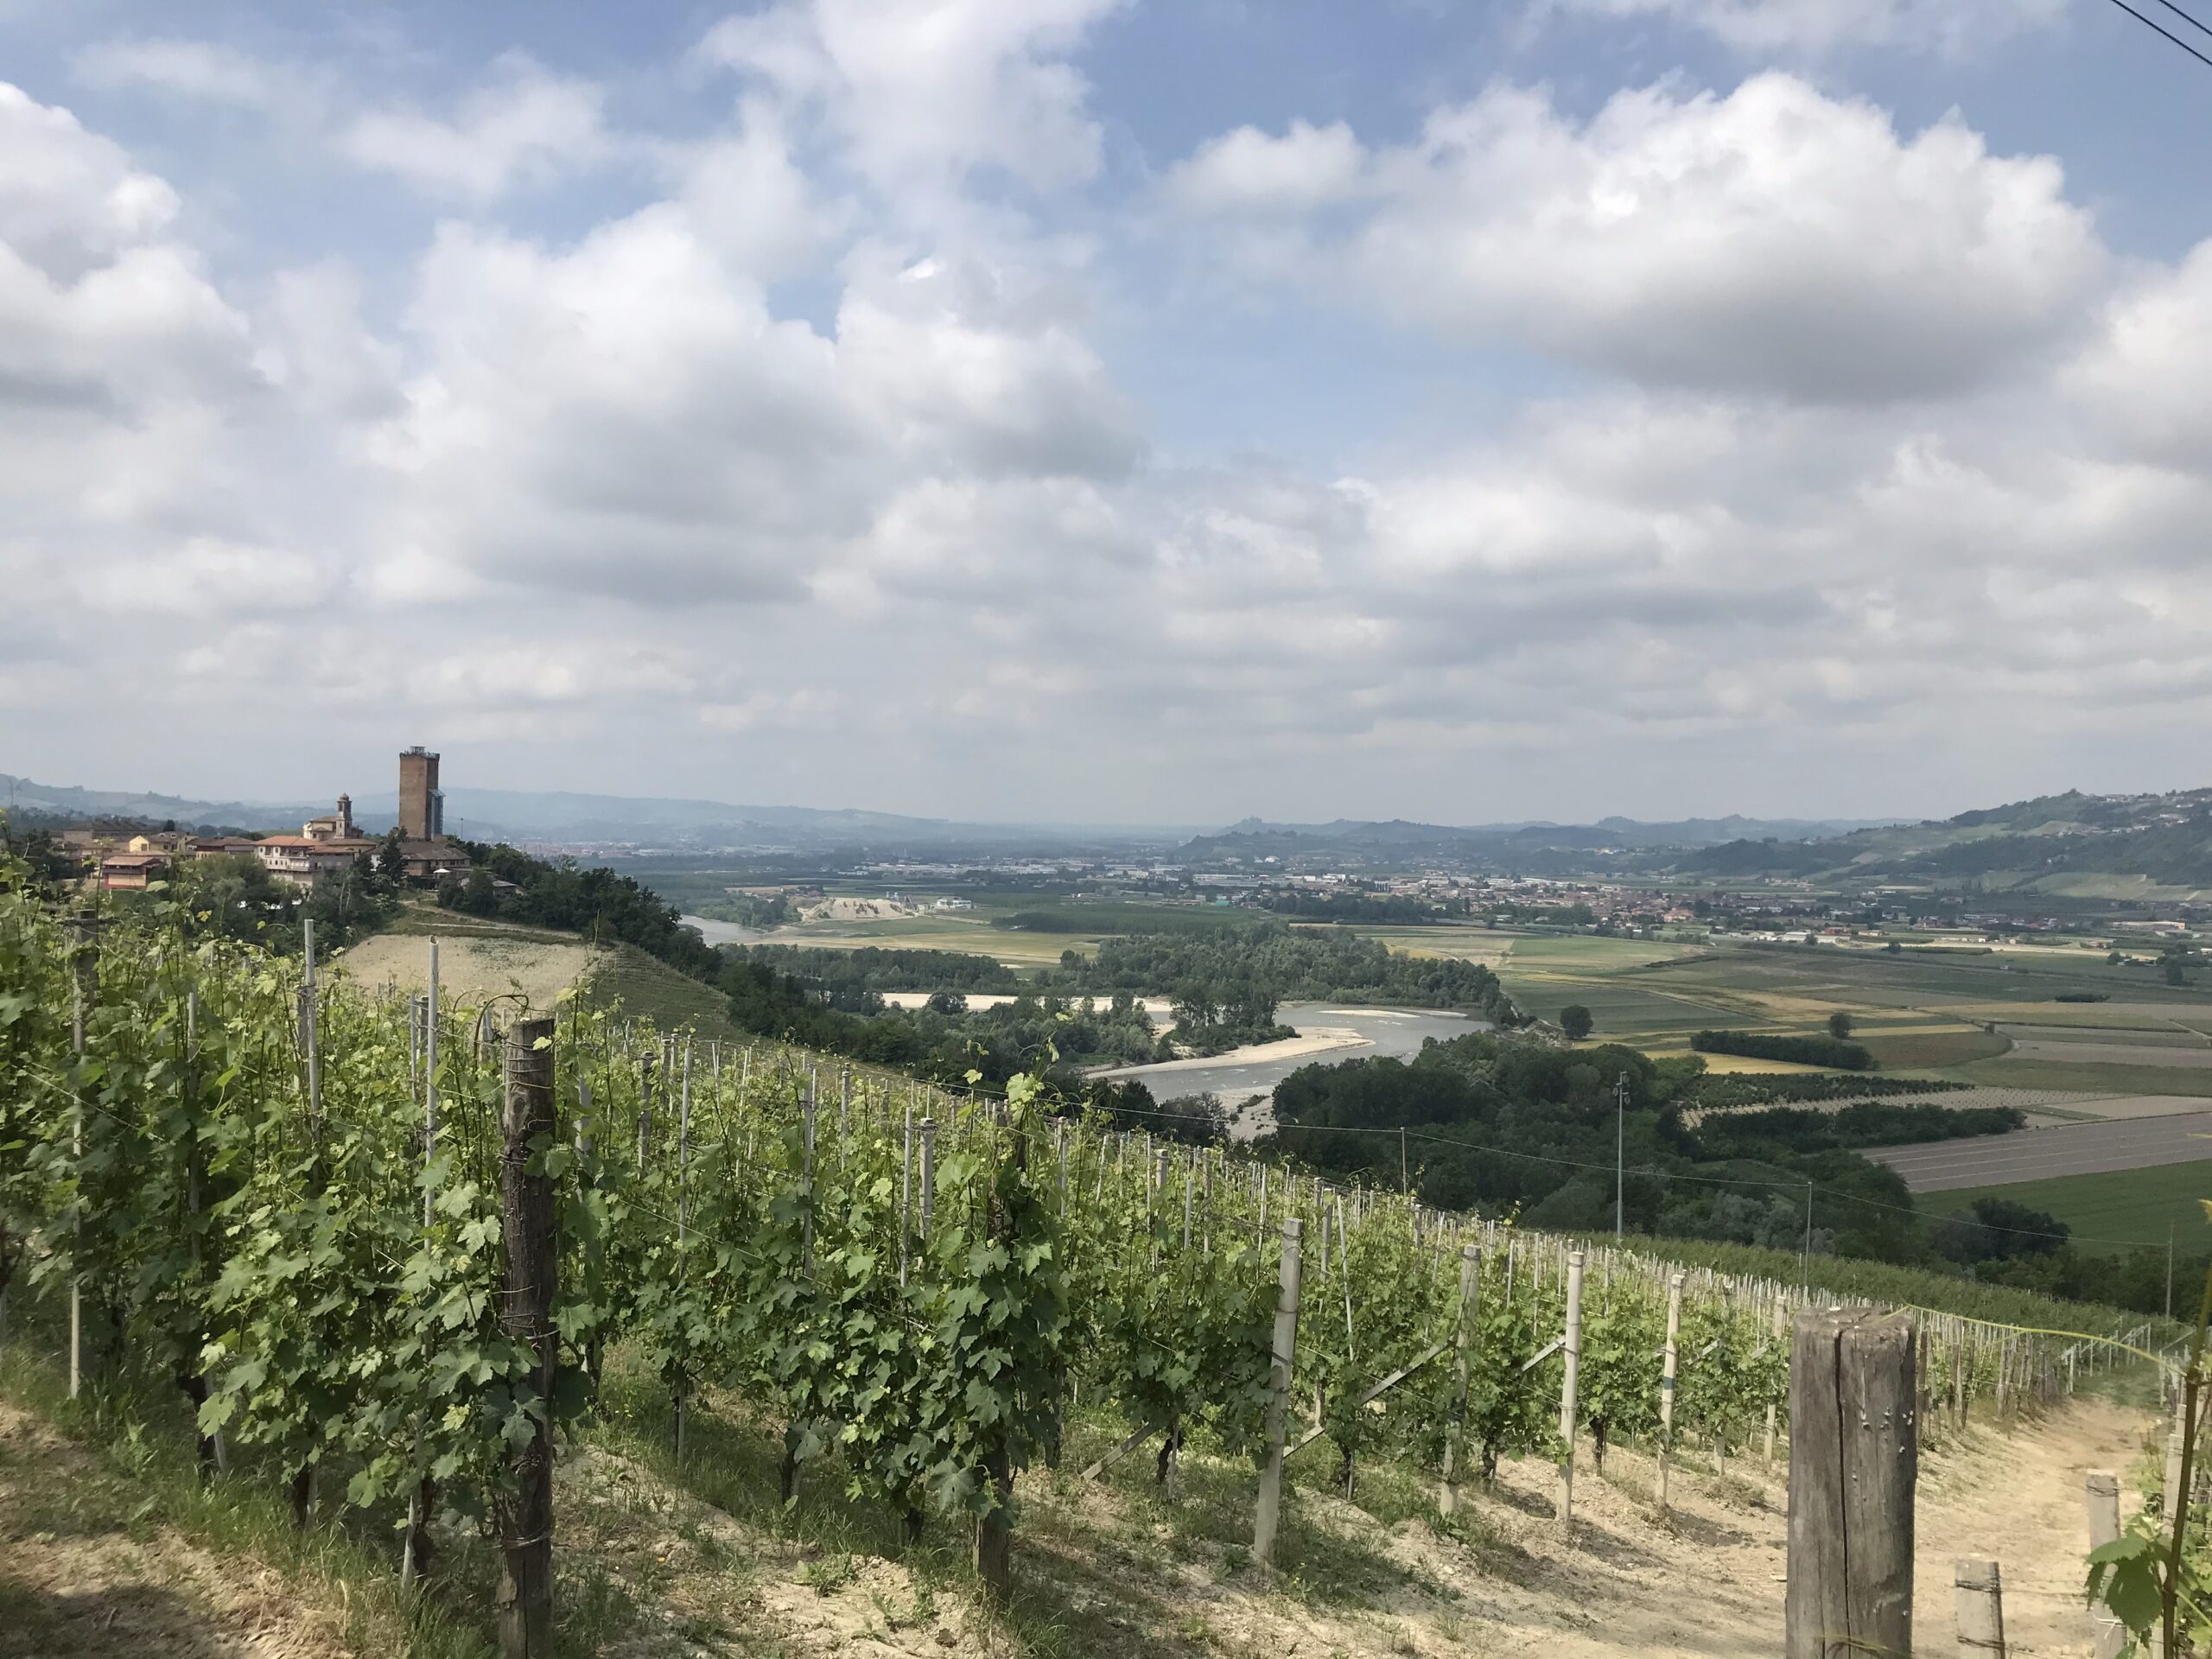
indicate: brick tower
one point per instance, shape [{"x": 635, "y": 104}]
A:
[{"x": 422, "y": 807}]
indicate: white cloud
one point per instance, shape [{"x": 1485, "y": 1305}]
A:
[
  {"x": 184, "y": 69},
  {"x": 1247, "y": 170},
  {"x": 524, "y": 129},
  {"x": 920, "y": 93},
  {"x": 611, "y": 502},
  {"x": 69, "y": 198},
  {"x": 2147, "y": 377},
  {"x": 1777, "y": 240},
  {"x": 207, "y": 576},
  {"x": 1807, "y": 28},
  {"x": 753, "y": 204}
]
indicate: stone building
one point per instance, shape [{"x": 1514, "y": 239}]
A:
[{"x": 421, "y": 806}]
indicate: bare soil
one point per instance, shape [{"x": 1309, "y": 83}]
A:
[
  {"x": 81, "y": 1575},
  {"x": 1118, "y": 1569},
  {"x": 471, "y": 969}
]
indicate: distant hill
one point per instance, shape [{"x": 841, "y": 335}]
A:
[
  {"x": 70, "y": 803},
  {"x": 2068, "y": 843},
  {"x": 574, "y": 817},
  {"x": 1533, "y": 847}
]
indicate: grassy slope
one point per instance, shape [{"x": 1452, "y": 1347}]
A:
[{"x": 646, "y": 986}]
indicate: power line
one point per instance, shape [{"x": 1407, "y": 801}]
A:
[
  {"x": 2149, "y": 23},
  {"x": 2200, "y": 28},
  {"x": 1768, "y": 1184}
]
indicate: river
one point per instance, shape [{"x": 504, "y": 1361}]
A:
[
  {"x": 716, "y": 932},
  {"x": 1368, "y": 1033}
]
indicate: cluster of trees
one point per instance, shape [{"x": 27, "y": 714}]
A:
[
  {"x": 1863, "y": 1124},
  {"x": 1834, "y": 1052},
  {"x": 1725, "y": 1090},
  {"x": 562, "y": 893},
  {"x": 1394, "y": 909},
  {"x": 1281, "y": 964},
  {"x": 1501, "y": 1121},
  {"x": 843, "y": 976},
  {"x": 945, "y": 1040},
  {"x": 235, "y": 897}
]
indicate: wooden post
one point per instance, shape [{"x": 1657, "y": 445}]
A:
[
  {"x": 82, "y": 936},
  {"x": 1780, "y": 1325},
  {"x": 683, "y": 1227},
  {"x": 1981, "y": 1609},
  {"x": 525, "y": 1595},
  {"x": 928, "y": 1172},
  {"x": 1855, "y": 1459},
  {"x": 415, "y": 1547},
  {"x": 1269, "y": 1513},
  {"x": 2102, "y": 1491},
  {"x": 2173, "y": 1487},
  {"x": 995, "y": 1526},
  {"x": 1666, "y": 1382},
  {"x": 1463, "y": 1338},
  {"x": 1569, "y": 1386},
  {"x": 806, "y": 1174},
  {"x": 906, "y": 1192},
  {"x": 311, "y": 1024}
]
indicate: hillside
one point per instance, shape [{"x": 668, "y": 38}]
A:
[
  {"x": 2068, "y": 843},
  {"x": 1537, "y": 848},
  {"x": 576, "y": 817}
]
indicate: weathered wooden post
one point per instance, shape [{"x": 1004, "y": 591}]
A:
[
  {"x": 906, "y": 1192},
  {"x": 2102, "y": 1491},
  {"x": 524, "y": 1596},
  {"x": 994, "y": 1535},
  {"x": 1569, "y": 1386},
  {"x": 1981, "y": 1609},
  {"x": 81, "y": 938},
  {"x": 1854, "y": 1459},
  {"x": 806, "y": 1175},
  {"x": 928, "y": 1172},
  {"x": 2173, "y": 1494},
  {"x": 415, "y": 1550},
  {"x": 1670, "y": 1355},
  {"x": 1463, "y": 1341},
  {"x": 1269, "y": 1513},
  {"x": 677, "y": 1402},
  {"x": 1781, "y": 1325}
]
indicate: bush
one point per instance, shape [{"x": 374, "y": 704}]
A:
[{"x": 1799, "y": 1051}]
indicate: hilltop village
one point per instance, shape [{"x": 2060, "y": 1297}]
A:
[{"x": 416, "y": 848}]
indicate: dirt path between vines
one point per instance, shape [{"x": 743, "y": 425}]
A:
[
  {"x": 1710, "y": 1582},
  {"x": 2018, "y": 1502},
  {"x": 81, "y": 1575},
  {"x": 1113, "y": 1570}
]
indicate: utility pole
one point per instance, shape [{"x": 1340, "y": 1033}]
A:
[
  {"x": 1407, "y": 1184},
  {"x": 1808, "y": 1264},
  {"x": 1620, "y": 1156},
  {"x": 2170, "y": 1269}
]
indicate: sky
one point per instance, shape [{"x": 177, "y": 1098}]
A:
[{"x": 1128, "y": 411}]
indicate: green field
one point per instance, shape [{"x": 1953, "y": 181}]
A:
[
  {"x": 2148, "y": 1078},
  {"x": 2135, "y": 1206}
]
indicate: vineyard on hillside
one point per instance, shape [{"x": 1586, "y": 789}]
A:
[{"x": 301, "y": 1201}]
